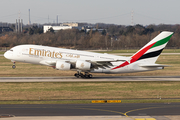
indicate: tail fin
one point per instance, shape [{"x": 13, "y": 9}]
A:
[{"x": 151, "y": 51}]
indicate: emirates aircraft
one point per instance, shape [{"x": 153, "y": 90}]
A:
[{"x": 88, "y": 62}]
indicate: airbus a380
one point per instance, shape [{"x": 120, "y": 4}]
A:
[{"x": 88, "y": 62}]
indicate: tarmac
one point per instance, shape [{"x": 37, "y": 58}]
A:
[
  {"x": 119, "y": 111},
  {"x": 94, "y": 79},
  {"x": 93, "y": 118},
  {"x": 177, "y": 117}
]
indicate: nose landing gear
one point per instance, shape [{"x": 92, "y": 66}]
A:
[{"x": 13, "y": 66}]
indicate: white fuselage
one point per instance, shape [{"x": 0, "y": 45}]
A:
[{"x": 44, "y": 55}]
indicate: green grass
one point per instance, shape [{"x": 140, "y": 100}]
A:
[
  {"x": 152, "y": 101},
  {"x": 2, "y": 52},
  {"x": 88, "y": 91},
  {"x": 84, "y": 92},
  {"x": 171, "y": 51},
  {"x": 135, "y": 50},
  {"x": 116, "y": 51},
  {"x": 47, "y": 102},
  {"x": 89, "y": 101},
  {"x": 125, "y": 51}
]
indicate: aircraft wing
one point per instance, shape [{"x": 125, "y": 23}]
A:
[
  {"x": 95, "y": 63},
  {"x": 101, "y": 64},
  {"x": 104, "y": 63}
]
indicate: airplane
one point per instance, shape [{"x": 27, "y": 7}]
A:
[{"x": 89, "y": 62}]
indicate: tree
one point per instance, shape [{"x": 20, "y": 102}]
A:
[
  {"x": 51, "y": 30},
  {"x": 13, "y": 26},
  {"x": 39, "y": 30},
  {"x": 103, "y": 32},
  {"x": 130, "y": 30},
  {"x": 31, "y": 31},
  {"x": 147, "y": 31}
]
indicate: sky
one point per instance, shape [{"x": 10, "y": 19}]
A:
[{"x": 120, "y": 12}]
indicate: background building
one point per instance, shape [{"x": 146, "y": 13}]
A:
[
  {"x": 61, "y": 27},
  {"x": 5, "y": 29},
  {"x": 71, "y": 24},
  {"x": 55, "y": 28}
]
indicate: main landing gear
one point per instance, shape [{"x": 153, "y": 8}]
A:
[
  {"x": 13, "y": 66},
  {"x": 86, "y": 75}
]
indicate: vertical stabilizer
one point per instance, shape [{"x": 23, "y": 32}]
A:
[{"x": 151, "y": 51}]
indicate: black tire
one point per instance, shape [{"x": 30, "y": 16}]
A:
[
  {"x": 77, "y": 76},
  {"x": 86, "y": 76},
  {"x": 90, "y": 76},
  {"x": 13, "y": 66},
  {"x": 82, "y": 76}
]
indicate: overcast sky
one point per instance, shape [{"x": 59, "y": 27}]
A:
[{"x": 119, "y": 12}]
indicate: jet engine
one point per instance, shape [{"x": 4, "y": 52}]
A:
[
  {"x": 63, "y": 65},
  {"x": 83, "y": 65}
]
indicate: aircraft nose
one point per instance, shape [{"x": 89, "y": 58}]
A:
[{"x": 7, "y": 55}]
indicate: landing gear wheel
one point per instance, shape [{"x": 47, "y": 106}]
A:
[
  {"x": 82, "y": 75},
  {"x": 14, "y": 66},
  {"x": 76, "y": 75},
  {"x": 86, "y": 75},
  {"x": 90, "y": 76}
]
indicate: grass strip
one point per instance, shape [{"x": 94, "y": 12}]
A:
[
  {"x": 134, "y": 50},
  {"x": 89, "y": 101},
  {"x": 56, "y": 91}
]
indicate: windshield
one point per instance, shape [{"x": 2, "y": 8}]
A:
[{"x": 11, "y": 50}]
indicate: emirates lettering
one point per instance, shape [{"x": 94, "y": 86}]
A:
[{"x": 44, "y": 53}]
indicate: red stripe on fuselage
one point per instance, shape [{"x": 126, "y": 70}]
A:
[
  {"x": 122, "y": 65},
  {"x": 135, "y": 57}
]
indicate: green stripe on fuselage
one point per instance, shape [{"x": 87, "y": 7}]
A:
[{"x": 161, "y": 42}]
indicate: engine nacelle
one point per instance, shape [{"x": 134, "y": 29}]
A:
[
  {"x": 83, "y": 65},
  {"x": 63, "y": 65}
]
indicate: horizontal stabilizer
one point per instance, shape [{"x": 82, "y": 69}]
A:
[
  {"x": 112, "y": 60},
  {"x": 153, "y": 65}
]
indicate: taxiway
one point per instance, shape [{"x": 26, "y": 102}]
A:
[{"x": 122, "y": 110}]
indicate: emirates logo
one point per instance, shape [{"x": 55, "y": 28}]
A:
[
  {"x": 82, "y": 65},
  {"x": 62, "y": 66}
]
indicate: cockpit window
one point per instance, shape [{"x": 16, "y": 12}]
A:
[{"x": 11, "y": 50}]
